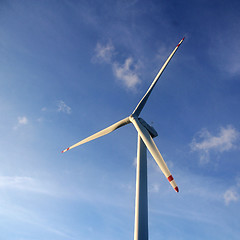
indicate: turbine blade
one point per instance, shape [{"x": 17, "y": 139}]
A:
[
  {"x": 101, "y": 133},
  {"x": 143, "y": 101},
  {"x": 150, "y": 144}
]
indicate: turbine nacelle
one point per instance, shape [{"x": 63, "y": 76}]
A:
[{"x": 150, "y": 129}]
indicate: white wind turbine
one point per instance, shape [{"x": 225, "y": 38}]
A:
[{"x": 146, "y": 133}]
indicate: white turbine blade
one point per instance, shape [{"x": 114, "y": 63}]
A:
[
  {"x": 147, "y": 139},
  {"x": 143, "y": 101},
  {"x": 101, "y": 133}
]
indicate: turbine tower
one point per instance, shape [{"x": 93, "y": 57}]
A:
[{"x": 146, "y": 133}]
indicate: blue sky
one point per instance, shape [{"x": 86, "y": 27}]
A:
[{"x": 71, "y": 68}]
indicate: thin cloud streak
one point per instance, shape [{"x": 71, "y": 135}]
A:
[
  {"x": 49, "y": 188},
  {"x": 22, "y": 214},
  {"x": 24, "y": 183},
  {"x": 213, "y": 197}
]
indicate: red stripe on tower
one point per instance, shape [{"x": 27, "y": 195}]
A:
[{"x": 170, "y": 178}]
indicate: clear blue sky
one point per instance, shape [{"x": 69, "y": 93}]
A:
[{"x": 71, "y": 68}]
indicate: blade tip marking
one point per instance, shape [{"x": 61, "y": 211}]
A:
[
  {"x": 176, "y": 189},
  {"x": 170, "y": 178},
  {"x": 181, "y": 42},
  {"x": 65, "y": 150}
]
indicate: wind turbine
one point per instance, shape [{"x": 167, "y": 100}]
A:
[{"x": 146, "y": 133}]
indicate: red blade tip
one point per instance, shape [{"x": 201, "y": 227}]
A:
[{"x": 176, "y": 189}]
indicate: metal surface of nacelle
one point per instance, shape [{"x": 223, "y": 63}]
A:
[{"x": 150, "y": 129}]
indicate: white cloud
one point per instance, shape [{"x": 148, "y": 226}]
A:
[
  {"x": 230, "y": 195},
  {"x": 224, "y": 141},
  {"x": 22, "y": 120},
  {"x": 127, "y": 73},
  {"x": 63, "y": 107},
  {"x": 104, "y": 53}
]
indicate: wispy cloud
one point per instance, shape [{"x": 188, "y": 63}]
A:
[
  {"x": 33, "y": 185},
  {"x": 126, "y": 72},
  {"x": 104, "y": 53},
  {"x": 154, "y": 188},
  {"x": 205, "y": 142},
  {"x": 163, "y": 52},
  {"x": 63, "y": 107},
  {"x": 22, "y": 120},
  {"x": 226, "y": 60},
  {"x": 16, "y": 212},
  {"x": 15, "y": 182},
  {"x": 230, "y": 195},
  {"x": 206, "y": 192},
  {"x": 23, "y": 183}
]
